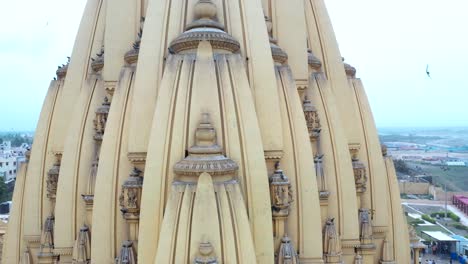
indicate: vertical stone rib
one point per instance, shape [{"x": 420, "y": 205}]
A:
[
  {"x": 148, "y": 77},
  {"x": 32, "y": 215},
  {"x": 113, "y": 169},
  {"x": 342, "y": 201},
  {"x": 13, "y": 244},
  {"x": 376, "y": 164}
]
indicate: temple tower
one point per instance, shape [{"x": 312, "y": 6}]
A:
[{"x": 206, "y": 131}]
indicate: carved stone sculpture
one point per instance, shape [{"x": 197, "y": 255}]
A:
[
  {"x": 359, "y": 169},
  {"x": 321, "y": 180},
  {"x": 312, "y": 119},
  {"x": 130, "y": 197},
  {"x": 101, "y": 119},
  {"x": 281, "y": 195}
]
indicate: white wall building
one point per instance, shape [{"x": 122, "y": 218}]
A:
[{"x": 9, "y": 159}]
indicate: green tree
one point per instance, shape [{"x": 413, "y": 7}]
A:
[
  {"x": 4, "y": 194},
  {"x": 401, "y": 166}
]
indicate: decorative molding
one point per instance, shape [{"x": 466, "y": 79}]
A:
[
  {"x": 273, "y": 154},
  {"x": 137, "y": 157},
  {"x": 109, "y": 86},
  {"x": 206, "y": 155},
  {"x": 204, "y": 28},
  {"x": 63, "y": 251}
]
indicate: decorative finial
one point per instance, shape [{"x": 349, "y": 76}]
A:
[
  {"x": 277, "y": 166},
  {"x": 205, "y": 254},
  {"x": 205, "y": 9},
  {"x": 205, "y": 136}
]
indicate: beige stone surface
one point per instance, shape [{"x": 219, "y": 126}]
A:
[{"x": 203, "y": 151}]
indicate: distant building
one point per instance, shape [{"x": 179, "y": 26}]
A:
[
  {"x": 10, "y": 159},
  {"x": 455, "y": 163}
]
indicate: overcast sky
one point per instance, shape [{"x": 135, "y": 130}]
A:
[{"x": 389, "y": 42}]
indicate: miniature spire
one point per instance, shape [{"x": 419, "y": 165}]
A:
[
  {"x": 26, "y": 257},
  {"x": 205, "y": 254},
  {"x": 127, "y": 254},
  {"x": 358, "y": 259},
  {"x": 365, "y": 227},
  {"x": 206, "y": 155},
  {"x": 331, "y": 243},
  {"x": 82, "y": 247},
  {"x": 287, "y": 254},
  {"x": 47, "y": 238},
  {"x": 387, "y": 252},
  {"x": 205, "y": 28}
]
